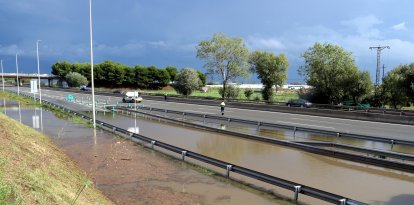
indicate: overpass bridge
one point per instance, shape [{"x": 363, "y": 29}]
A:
[{"x": 49, "y": 77}]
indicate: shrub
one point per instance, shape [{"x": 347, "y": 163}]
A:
[
  {"x": 75, "y": 79},
  {"x": 231, "y": 91},
  {"x": 187, "y": 81},
  {"x": 248, "y": 93}
]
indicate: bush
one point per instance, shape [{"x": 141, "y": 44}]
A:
[
  {"x": 231, "y": 92},
  {"x": 248, "y": 93},
  {"x": 75, "y": 79},
  {"x": 187, "y": 81},
  {"x": 257, "y": 98}
]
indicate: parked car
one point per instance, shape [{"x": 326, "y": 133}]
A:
[
  {"x": 131, "y": 96},
  {"x": 299, "y": 103},
  {"x": 84, "y": 88}
]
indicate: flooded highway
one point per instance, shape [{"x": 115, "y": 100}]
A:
[
  {"x": 130, "y": 174},
  {"x": 365, "y": 183}
]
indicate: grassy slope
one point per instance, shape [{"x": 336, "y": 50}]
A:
[{"x": 34, "y": 171}]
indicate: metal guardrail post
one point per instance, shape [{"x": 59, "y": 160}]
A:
[
  {"x": 229, "y": 167},
  {"x": 392, "y": 144},
  {"x": 183, "y": 153},
  {"x": 152, "y": 144},
  {"x": 258, "y": 125},
  {"x": 294, "y": 132},
  {"x": 342, "y": 202},
  {"x": 113, "y": 130},
  {"x": 297, "y": 191}
]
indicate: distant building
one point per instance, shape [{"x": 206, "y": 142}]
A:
[{"x": 260, "y": 86}]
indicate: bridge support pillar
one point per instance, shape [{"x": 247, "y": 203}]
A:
[{"x": 49, "y": 82}]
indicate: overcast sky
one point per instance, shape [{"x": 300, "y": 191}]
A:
[{"x": 165, "y": 32}]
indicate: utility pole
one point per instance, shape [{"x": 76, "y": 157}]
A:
[{"x": 378, "y": 73}]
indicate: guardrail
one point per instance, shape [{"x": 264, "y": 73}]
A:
[
  {"x": 391, "y": 141},
  {"x": 301, "y": 146},
  {"x": 229, "y": 167}
]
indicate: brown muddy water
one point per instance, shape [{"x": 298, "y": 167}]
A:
[
  {"x": 284, "y": 134},
  {"x": 370, "y": 184},
  {"x": 128, "y": 173}
]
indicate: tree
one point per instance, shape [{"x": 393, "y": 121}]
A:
[
  {"x": 142, "y": 76},
  {"x": 224, "y": 56},
  {"x": 75, "y": 79},
  {"x": 202, "y": 77},
  {"x": 271, "y": 70},
  {"x": 359, "y": 85},
  {"x": 173, "y": 72},
  {"x": 61, "y": 69},
  {"x": 163, "y": 78},
  {"x": 329, "y": 69},
  {"x": 187, "y": 81},
  {"x": 396, "y": 87}
]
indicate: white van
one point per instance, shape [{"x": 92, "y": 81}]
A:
[{"x": 131, "y": 96}]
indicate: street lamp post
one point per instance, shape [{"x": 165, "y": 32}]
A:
[
  {"x": 92, "y": 83},
  {"x": 2, "y": 73},
  {"x": 17, "y": 77},
  {"x": 38, "y": 70}
]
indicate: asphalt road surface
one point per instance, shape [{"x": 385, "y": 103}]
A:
[{"x": 388, "y": 130}]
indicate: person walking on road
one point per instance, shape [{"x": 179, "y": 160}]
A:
[{"x": 222, "y": 105}]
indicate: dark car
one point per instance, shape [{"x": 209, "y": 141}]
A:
[
  {"x": 299, "y": 103},
  {"x": 84, "y": 88},
  {"x": 118, "y": 92}
]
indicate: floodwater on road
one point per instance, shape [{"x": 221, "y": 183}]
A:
[
  {"x": 370, "y": 184},
  {"x": 128, "y": 173},
  {"x": 365, "y": 183},
  {"x": 284, "y": 134}
]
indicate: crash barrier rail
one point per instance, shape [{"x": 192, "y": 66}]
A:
[
  {"x": 380, "y": 153},
  {"x": 289, "y": 185},
  {"x": 347, "y": 112},
  {"x": 391, "y": 141},
  {"x": 325, "y": 152}
]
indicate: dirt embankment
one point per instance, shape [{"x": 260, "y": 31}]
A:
[{"x": 34, "y": 171}]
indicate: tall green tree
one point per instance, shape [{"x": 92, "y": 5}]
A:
[
  {"x": 173, "y": 72},
  {"x": 270, "y": 69},
  {"x": 163, "y": 77},
  {"x": 396, "y": 89},
  {"x": 328, "y": 68},
  {"x": 358, "y": 85},
  {"x": 61, "y": 69},
  {"x": 143, "y": 78},
  {"x": 224, "y": 56},
  {"x": 187, "y": 81}
]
